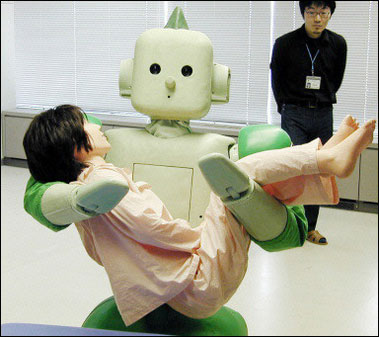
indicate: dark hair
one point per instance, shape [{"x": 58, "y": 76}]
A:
[
  {"x": 330, "y": 4},
  {"x": 50, "y": 143}
]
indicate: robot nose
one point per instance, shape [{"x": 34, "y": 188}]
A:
[{"x": 170, "y": 83}]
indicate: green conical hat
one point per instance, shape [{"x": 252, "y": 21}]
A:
[{"x": 177, "y": 20}]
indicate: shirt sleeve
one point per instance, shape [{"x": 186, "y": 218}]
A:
[
  {"x": 341, "y": 64},
  {"x": 275, "y": 74},
  {"x": 142, "y": 216}
]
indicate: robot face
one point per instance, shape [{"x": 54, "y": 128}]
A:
[{"x": 172, "y": 74}]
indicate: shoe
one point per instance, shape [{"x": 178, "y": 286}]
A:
[{"x": 317, "y": 238}]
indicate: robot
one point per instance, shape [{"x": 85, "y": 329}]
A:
[
  {"x": 172, "y": 79},
  {"x": 172, "y": 88}
]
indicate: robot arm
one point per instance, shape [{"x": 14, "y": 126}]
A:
[
  {"x": 270, "y": 224},
  {"x": 263, "y": 216},
  {"x": 233, "y": 153},
  {"x": 257, "y": 138},
  {"x": 57, "y": 205}
]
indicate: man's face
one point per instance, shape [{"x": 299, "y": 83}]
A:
[{"x": 316, "y": 20}]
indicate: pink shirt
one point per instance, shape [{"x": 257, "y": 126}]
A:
[{"x": 152, "y": 259}]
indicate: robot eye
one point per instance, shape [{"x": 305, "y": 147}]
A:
[
  {"x": 155, "y": 68},
  {"x": 187, "y": 71}
]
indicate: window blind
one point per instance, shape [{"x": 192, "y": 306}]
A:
[
  {"x": 357, "y": 21},
  {"x": 45, "y": 53},
  {"x": 236, "y": 29},
  {"x": 77, "y": 59},
  {"x": 70, "y": 52}
]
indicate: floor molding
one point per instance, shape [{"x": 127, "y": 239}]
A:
[
  {"x": 354, "y": 205},
  {"x": 14, "y": 162}
]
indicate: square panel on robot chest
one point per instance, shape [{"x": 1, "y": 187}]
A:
[{"x": 170, "y": 166}]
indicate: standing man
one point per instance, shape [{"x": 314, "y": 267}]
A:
[{"x": 307, "y": 68}]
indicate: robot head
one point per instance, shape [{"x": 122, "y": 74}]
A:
[{"x": 172, "y": 75}]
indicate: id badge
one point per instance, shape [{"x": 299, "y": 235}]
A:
[{"x": 313, "y": 82}]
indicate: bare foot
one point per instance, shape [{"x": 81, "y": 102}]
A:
[
  {"x": 347, "y": 127},
  {"x": 340, "y": 160}
]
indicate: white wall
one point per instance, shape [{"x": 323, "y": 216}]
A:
[{"x": 8, "y": 92}]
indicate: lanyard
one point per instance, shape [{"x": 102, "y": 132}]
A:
[{"x": 313, "y": 60}]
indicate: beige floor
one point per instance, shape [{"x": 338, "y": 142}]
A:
[{"x": 47, "y": 278}]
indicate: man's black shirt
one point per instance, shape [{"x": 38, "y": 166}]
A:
[{"x": 291, "y": 64}]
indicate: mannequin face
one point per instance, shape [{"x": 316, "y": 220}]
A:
[
  {"x": 316, "y": 19},
  {"x": 99, "y": 143}
]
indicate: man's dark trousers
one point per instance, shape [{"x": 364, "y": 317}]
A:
[{"x": 304, "y": 124}]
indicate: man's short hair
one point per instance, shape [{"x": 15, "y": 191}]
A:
[{"x": 330, "y": 4}]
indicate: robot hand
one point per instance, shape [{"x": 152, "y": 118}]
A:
[
  {"x": 100, "y": 197},
  {"x": 263, "y": 217},
  {"x": 58, "y": 204},
  {"x": 63, "y": 204}
]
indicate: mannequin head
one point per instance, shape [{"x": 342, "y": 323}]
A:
[
  {"x": 98, "y": 143},
  {"x": 54, "y": 139}
]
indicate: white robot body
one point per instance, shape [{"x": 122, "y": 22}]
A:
[{"x": 169, "y": 165}]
